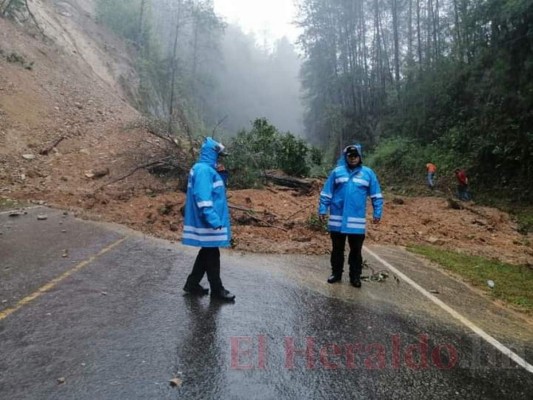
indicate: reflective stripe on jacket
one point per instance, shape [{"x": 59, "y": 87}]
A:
[
  {"x": 206, "y": 208},
  {"x": 345, "y": 193}
]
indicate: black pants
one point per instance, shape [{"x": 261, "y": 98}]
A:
[
  {"x": 355, "y": 259},
  {"x": 207, "y": 261}
]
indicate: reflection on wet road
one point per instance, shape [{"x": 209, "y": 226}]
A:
[{"x": 121, "y": 328}]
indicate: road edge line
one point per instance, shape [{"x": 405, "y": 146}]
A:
[{"x": 485, "y": 336}]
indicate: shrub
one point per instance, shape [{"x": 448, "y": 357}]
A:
[
  {"x": 314, "y": 223},
  {"x": 264, "y": 148},
  {"x": 402, "y": 161}
]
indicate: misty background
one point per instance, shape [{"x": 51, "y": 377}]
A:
[
  {"x": 205, "y": 71},
  {"x": 411, "y": 80},
  {"x": 256, "y": 82}
]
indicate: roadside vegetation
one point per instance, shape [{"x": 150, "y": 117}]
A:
[
  {"x": 264, "y": 148},
  {"x": 512, "y": 283},
  {"x": 199, "y": 73},
  {"x": 8, "y": 204},
  {"x": 401, "y": 166},
  {"x": 460, "y": 99},
  {"x": 13, "y": 57}
]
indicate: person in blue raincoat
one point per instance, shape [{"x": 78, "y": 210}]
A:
[
  {"x": 345, "y": 196},
  {"x": 207, "y": 221}
]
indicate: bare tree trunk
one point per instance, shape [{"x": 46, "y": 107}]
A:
[
  {"x": 458, "y": 34},
  {"x": 352, "y": 57},
  {"x": 377, "y": 44},
  {"x": 410, "y": 60},
  {"x": 419, "y": 34},
  {"x": 174, "y": 66},
  {"x": 365, "y": 99},
  {"x": 395, "y": 28},
  {"x": 466, "y": 48},
  {"x": 429, "y": 52},
  {"x": 387, "y": 74},
  {"x": 196, "y": 33},
  {"x": 436, "y": 26},
  {"x": 140, "y": 37}
]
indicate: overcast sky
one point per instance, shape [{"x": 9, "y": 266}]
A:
[{"x": 270, "y": 18}]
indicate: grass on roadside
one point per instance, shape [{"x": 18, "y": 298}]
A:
[
  {"x": 524, "y": 218},
  {"x": 6, "y": 204},
  {"x": 513, "y": 283}
]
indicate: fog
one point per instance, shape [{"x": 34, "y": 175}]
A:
[
  {"x": 255, "y": 82},
  {"x": 225, "y": 74}
]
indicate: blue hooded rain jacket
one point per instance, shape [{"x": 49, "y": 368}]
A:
[
  {"x": 345, "y": 193},
  {"x": 207, "y": 222}
]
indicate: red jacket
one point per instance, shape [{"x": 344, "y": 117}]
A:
[{"x": 461, "y": 177}]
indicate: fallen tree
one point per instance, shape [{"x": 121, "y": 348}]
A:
[{"x": 289, "y": 181}]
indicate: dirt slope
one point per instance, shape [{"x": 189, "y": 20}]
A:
[{"x": 72, "y": 91}]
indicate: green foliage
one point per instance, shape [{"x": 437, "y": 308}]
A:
[
  {"x": 512, "y": 282},
  {"x": 172, "y": 43},
  {"x": 12, "y": 7},
  {"x": 524, "y": 219},
  {"x": 318, "y": 167},
  {"x": 463, "y": 99},
  {"x": 6, "y": 204},
  {"x": 402, "y": 162},
  {"x": 17, "y": 59},
  {"x": 476, "y": 115},
  {"x": 264, "y": 148},
  {"x": 122, "y": 16},
  {"x": 292, "y": 155},
  {"x": 396, "y": 156},
  {"x": 314, "y": 223},
  {"x": 317, "y": 156}
]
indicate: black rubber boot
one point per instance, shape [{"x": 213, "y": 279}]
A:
[
  {"x": 334, "y": 278},
  {"x": 223, "y": 295},
  {"x": 356, "y": 282},
  {"x": 196, "y": 290}
]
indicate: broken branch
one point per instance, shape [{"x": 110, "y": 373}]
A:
[
  {"x": 150, "y": 164},
  {"x": 217, "y": 125},
  {"x": 242, "y": 208},
  {"x": 44, "y": 152},
  {"x": 297, "y": 212},
  {"x": 250, "y": 211}
]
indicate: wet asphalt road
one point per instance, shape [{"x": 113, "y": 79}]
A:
[{"x": 112, "y": 321}]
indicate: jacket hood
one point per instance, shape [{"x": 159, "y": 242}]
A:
[
  {"x": 342, "y": 159},
  {"x": 210, "y": 151}
]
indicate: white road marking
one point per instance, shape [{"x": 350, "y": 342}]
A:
[
  {"x": 485, "y": 336},
  {"x": 54, "y": 282}
]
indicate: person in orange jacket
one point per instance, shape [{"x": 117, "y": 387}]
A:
[{"x": 431, "y": 170}]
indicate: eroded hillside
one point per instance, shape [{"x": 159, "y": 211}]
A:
[{"x": 63, "y": 88}]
